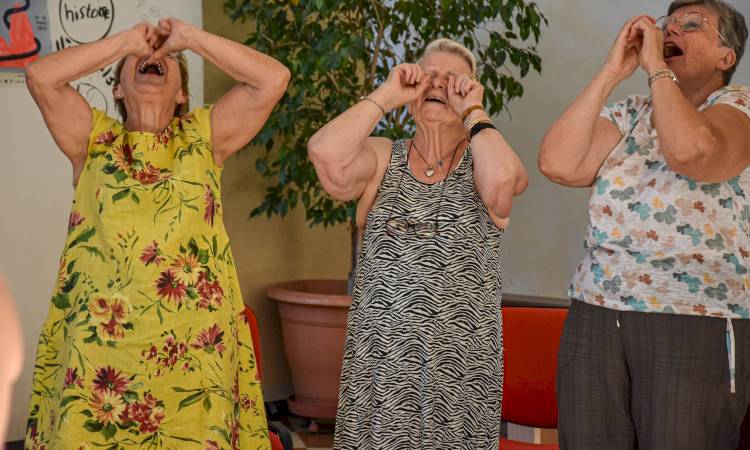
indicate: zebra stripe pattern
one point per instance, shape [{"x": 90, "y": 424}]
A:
[{"x": 423, "y": 365}]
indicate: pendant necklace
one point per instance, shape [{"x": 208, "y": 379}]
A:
[{"x": 430, "y": 170}]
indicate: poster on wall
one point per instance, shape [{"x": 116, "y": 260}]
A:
[
  {"x": 24, "y": 35},
  {"x": 31, "y": 29}
]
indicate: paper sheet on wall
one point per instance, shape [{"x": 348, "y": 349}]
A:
[{"x": 31, "y": 29}]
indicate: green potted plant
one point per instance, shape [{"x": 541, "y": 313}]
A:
[{"x": 339, "y": 50}]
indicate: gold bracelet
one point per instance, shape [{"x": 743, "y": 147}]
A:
[
  {"x": 476, "y": 121},
  {"x": 665, "y": 73},
  {"x": 374, "y": 102},
  {"x": 469, "y": 110}
]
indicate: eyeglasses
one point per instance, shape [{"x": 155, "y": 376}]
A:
[
  {"x": 689, "y": 22},
  {"x": 400, "y": 227}
]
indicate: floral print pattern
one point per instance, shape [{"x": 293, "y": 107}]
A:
[
  {"x": 657, "y": 240},
  {"x": 145, "y": 345}
]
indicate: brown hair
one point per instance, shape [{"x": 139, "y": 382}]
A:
[{"x": 180, "y": 108}]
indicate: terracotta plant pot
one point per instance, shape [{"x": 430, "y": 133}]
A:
[{"x": 313, "y": 327}]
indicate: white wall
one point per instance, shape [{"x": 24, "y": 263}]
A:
[
  {"x": 544, "y": 243},
  {"x": 36, "y": 193}
]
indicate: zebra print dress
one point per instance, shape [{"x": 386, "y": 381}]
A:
[{"x": 423, "y": 365}]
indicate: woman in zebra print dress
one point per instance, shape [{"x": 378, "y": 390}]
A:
[{"x": 423, "y": 359}]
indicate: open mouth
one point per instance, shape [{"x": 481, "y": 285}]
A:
[
  {"x": 436, "y": 99},
  {"x": 151, "y": 68},
  {"x": 671, "y": 50}
]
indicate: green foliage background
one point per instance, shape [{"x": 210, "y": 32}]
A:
[{"x": 339, "y": 51}]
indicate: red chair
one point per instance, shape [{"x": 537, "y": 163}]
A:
[
  {"x": 531, "y": 338},
  {"x": 279, "y": 435}
]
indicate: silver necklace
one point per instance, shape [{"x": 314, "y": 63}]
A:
[{"x": 430, "y": 170}]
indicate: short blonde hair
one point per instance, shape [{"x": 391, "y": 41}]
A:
[
  {"x": 179, "y": 109},
  {"x": 451, "y": 46}
]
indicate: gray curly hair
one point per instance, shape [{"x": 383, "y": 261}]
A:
[{"x": 731, "y": 24}]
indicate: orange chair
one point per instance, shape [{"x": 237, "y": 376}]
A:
[
  {"x": 279, "y": 435},
  {"x": 531, "y": 338}
]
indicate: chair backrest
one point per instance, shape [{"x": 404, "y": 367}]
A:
[
  {"x": 531, "y": 338},
  {"x": 252, "y": 321}
]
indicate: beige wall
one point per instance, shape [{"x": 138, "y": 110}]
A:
[
  {"x": 545, "y": 240},
  {"x": 267, "y": 251}
]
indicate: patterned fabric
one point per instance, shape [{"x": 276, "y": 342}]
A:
[
  {"x": 659, "y": 241},
  {"x": 145, "y": 344},
  {"x": 423, "y": 363},
  {"x": 656, "y": 381}
]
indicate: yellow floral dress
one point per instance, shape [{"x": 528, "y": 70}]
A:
[{"x": 145, "y": 344}]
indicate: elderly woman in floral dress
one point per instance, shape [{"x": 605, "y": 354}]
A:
[{"x": 144, "y": 345}]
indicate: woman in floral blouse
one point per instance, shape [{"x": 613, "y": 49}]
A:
[
  {"x": 144, "y": 344},
  {"x": 656, "y": 350}
]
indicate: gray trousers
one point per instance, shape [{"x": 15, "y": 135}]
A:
[{"x": 648, "y": 381}]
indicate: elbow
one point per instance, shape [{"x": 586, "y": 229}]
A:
[
  {"x": 500, "y": 200},
  {"x": 548, "y": 167},
  {"x": 554, "y": 166},
  {"x": 339, "y": 194},
  {"x": 280, "y": 80},
  {"x": 502, "y": 209},
  {"x": 335, "y": 186},
  {"x": 331, "y": 178},
  {"x": 33, "y": 77},
  {"x": 545, "y": 161},
  {"x": 562, "y": 175},
  {"x": 520, "y": 180},
  {"x": 522, "y": 183},
  {"x": 315, "y": 149},
  {"x": 284, "y": 76},
  {"x": 38, "y": 80},
  {"x": 688, "y": 158}
]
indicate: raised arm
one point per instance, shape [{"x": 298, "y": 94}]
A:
[
  {"x": 345, "y": 157},
  {"x": 499, "y": 174},
  {"x": 64, "y": 110},
  {"x": 712, "y": 145},
  {"x": 240, "y": 113},
  {"x": 576, "y": 145}
]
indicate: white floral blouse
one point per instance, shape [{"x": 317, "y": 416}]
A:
[{"x": 657, "y": 240}]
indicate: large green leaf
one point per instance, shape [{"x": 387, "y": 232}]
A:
[
  {"x": 190, "y": 399},
  {"x": 61, "y": 301},
  {"x": 93, "y": 426},
  {"x": 85, "y": 235}
]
